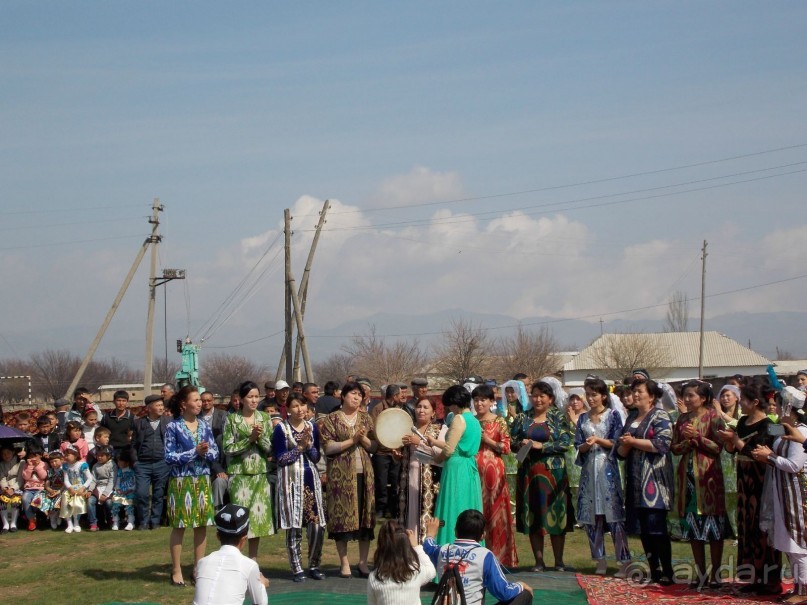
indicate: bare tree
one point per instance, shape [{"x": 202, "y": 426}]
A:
[
  {"x": 618, "y": 354},
  {"x": 164, "y": 370},
  {"x": 530, "y": 352},
  {"x": 465, "y": 350},
  {"x": 335, "y": 367},
  {"x": 221, "y": 372},
  {"x": 784, "y": 355},
  {"x": 677, "y": 318},
  {"x": 383, "y": 362},
  {"x": 53, "y": 372}
]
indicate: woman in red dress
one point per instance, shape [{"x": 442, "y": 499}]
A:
[{"x": 500, "y": 534}]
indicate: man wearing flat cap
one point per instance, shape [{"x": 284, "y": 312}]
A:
[
  {"x": 151, "y": 470},
  {"x": 420, "y": 389},
  {"x": 226, "y": 577}
]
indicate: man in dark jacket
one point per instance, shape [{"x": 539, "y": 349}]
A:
[
  {"x": 215, "y": 418},
  {"x": 151, "y": 470}
]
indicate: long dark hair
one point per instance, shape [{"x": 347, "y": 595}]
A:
[
  {"x": 180, "y": 397},
  {"x": 394, "y": 558}
]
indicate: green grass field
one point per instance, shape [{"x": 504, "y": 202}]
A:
[{"x": 105, "y": 567}]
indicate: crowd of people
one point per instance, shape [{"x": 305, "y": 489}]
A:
[{"x": 297, "y": 459}]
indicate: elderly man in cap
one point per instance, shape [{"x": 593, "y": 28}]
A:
[
  {"x": 226, "y": 577},
  {"x": 151, "y": 470},
  {"x": 420, "y": 389},
  {"x": 268, "y": 394},
  {"x": 282, "y": 390}
]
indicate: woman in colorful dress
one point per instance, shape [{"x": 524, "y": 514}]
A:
[
  {"x": 247, "y": 440},
  {"x": 190, "y": 449},
  {"x": 645, "y": 445},
  {"x": 299, "y": 498},
  {"x": 460, "y": 488},
  {"x": 599, "y": 499},
  {"x": 754, "y": 553},
  {"x": 543, "y": 500},
  {"x": 500, "y": 534},
  {"x": 783, "y": 500},
  {"x": 420, "y": 481},
  {"x": 729, "y": 408},
  {"x": 348, "y": 439},
  {"x": 700, "y": 488}
]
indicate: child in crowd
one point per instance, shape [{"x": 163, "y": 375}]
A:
[
  {"x": 124, "y": 494},
  {"x": 34, "y": 472},
  {"x": 88, "y": 427},
  {"x": 10, "y": 491},
  {"x": 45, "y": 436},
  {"x": 24, "y": 423},
  {"x": 103, "y": 473},
  {"x": 74, "y": 437},
  {"x": 49, "y": 500},
  {"x": 101, "y": 437},
  {"x": 77, "y": 482}
]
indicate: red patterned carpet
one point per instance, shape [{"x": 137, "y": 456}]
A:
[{"x": 611, "y": 591}]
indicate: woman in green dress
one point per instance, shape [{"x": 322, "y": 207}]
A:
[
  {"x": 247, "y": 443},
  {"x": 460, "y": 487}
]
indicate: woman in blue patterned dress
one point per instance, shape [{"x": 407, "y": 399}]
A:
[
  {"x": 190, "y": 449},
  {"x": 645, "y": 445},
  {"x": 599, "y": 499},
  {"x": 543, "y": 499}
]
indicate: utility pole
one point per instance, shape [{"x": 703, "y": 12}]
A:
[
  {"x": 601, "y": 326},
  {"x": 286, "y": 357},
  {"x": 303, "y": 296},
  {"x": 155, "y": 238},
  {"x": 703, "y": 307},
  {"x": 110, "y": 314}
]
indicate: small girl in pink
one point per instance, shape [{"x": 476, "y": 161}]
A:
[
  {"x": 33, "y": 474},
  {"x": 74, "y": 436}
]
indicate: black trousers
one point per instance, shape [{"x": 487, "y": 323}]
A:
[{"x": 387, "y": 473}]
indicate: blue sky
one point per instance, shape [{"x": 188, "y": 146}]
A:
[{"x": 230, "y": 112}]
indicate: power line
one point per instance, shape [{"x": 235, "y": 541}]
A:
[
  {"x": 249, "y": 342},
  {"x": 496, "y": 213},
  {"x": 81, "y": 209},
  {"x": 81, "y": 241},
  {"x": 563, "y": 319},
  {"x": 577, "y": 184},
  {"x": 108, "y": 220}
]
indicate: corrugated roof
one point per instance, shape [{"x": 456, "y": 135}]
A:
[{"x": 682, "y": 350}]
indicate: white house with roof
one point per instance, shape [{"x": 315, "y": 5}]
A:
[{"x": 677, "y": 359}]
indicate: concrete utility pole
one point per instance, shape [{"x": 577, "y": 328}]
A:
[
  {"x": 155, "y": 238},
  {"x": 111, "y": 313},
  {"x": 303, "y": 296},
  {"x": 286, "y": 357},
  {"x": 703, "y": 306}
]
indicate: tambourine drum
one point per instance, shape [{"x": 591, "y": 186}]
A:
[{"x": 390, "y": 427}]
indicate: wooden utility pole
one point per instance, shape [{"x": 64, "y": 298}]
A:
[
  {"x": 303, "y": 296},
  {"x": 286, "y": 357},
  {"x": 155, "y": 238},
  {"x": 703, "y": 307},
  {"x": 111, "y": 313}
]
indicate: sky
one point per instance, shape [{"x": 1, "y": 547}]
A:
[{"x": 526, "y": 159}]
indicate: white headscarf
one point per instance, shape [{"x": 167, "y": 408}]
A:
[
  {"x": 561, "y": 398},
  {"x": 523, "y": 399}
]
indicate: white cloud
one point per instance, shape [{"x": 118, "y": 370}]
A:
[{"x": 419, "y": 185}]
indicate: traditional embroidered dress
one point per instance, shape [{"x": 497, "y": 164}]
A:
[
  {"x": 753, "y": 550},
  {"x": 784, "y": 503},
  {"x": 351, "y": 485},
  {"x": 299, "y": 497},
  {"x": 420, "y": 484},
  {"x": 599, "y": 498},
  {"x": 543, "y": 497},
  {"x": 55, "y": 482},
  {"x": 499, "y": 538},
  {"x": 9, "y": 480},
  {"x": 246, "y": 467},
  {"x": 190, "y": 502},
  {"x": 649, "y": 489},
  {"x": 700, "y": 487}
]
